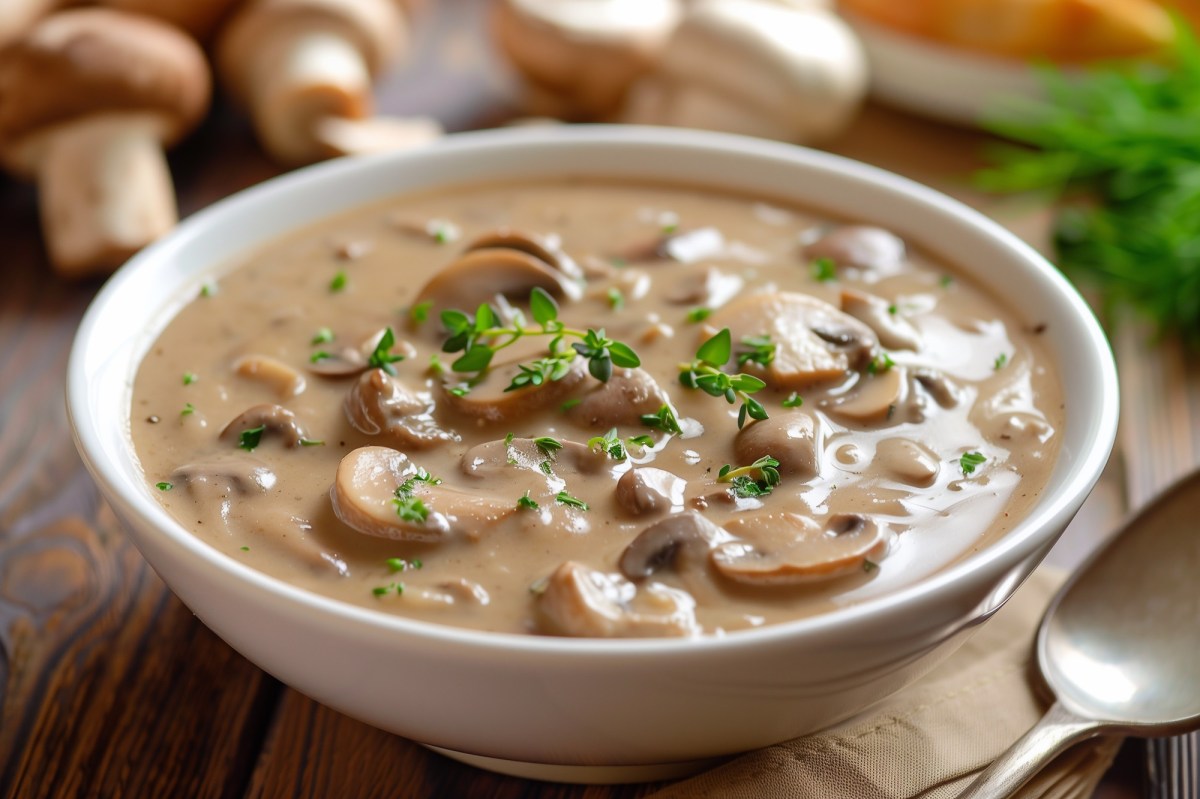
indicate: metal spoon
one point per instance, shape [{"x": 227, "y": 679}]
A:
[{"x": 1120, "y": 644}]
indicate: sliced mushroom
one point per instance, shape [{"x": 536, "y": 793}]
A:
[
  {"x": 491, "y": 402},
  {"x": 938, "y": 386},
  {"x": 285, "y": 381},
  {"x": 494, "y": 459},
  {"x": 583, "y": 602},
  {"x": 716, "y": 289},
  {"x": 380, "y": 404},
  {"x": 276, "y": 421},
  {"x": 623, "y": 399},
  {"x": 781, "y": 549},
  {"x": 678, "y": 540},
  {"x": 814, "y": 341},
  {"x": 875, "y": 398},
  {"x": 543, "y": 248},
  {"x": 226, "y": 474},
  {"x": 685, "y": 247},
  {"x": 364, "y": 491},
  {"x": 646, "y": 490},
  {"x": 448, "y": 593},
  {"x": 792, "y": 438},
  {"x": 350, "y": 361},
  {"x": 894, "y": 331},
  {"x": 477, "y": 276},
  {"x": 908, "y": 461},
  {"x": 875, "y": 251}
]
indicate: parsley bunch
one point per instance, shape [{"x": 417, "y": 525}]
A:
[{"x": 1122, "y": 143}]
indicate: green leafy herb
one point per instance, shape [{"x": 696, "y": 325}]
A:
[
  {"x": 569, "y": 404},
  {"x": 311, "y": 442},
  {"x": 698, "y": 314},
  {"x": 547, "y": 468},
  {"x": 664, "y": 420},
  {"x": 880, "y": 364},
  {"x": 761, "y": 350},
  {"x": 644, "y": 441},
  {"x": 480, "y": 337},
  {"x": 564, "y": 498},
  {"x": 610, "y": 443},
  {"x": 869, "y": 566},
  {"x": 245, "y": 549},
  {"x": 420, "y": 312},
  {"x": 1120, "y": 143},
  {"x": 188, "y": 409},
  {"x": 382, "y": 590},
  {"x": 892, "y": 309},
  {"x": 189, "y": 378},
  {"x": 969, "y": 461},
  {"x": 318, "y": 356},
  {"x": 382, "y": 356},
  {"x": 339, "y": 281},
  {"x": 459, "y": 390},
  {"x": 945, "y": 281},
  {"x": 1000, "y": 362},
  {"x": 250, "y": 438},
  {"x": 705, "y": 374},
  {"x": 164, "y": 486},
  {"x": 547, "y": 444},
  {"x": 409, "y": 507},
  {"x": 208, "y": 289},
  {"x": 616, "y": 300},
  {"x": 744, "y": 484},
  {"x": 823, "y": 270},
  {"x": 401, "y": 565},
  {"x": 323, "y": 336},
  {"x": 436, "y": 367},
  {"x": 793, "y": 400},
  {"x": 444, "y": 232},
  {"x": 527, "y": 502}
]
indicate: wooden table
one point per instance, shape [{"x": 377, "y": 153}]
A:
[{"x": 110, "y": 687}]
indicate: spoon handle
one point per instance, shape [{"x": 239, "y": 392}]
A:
[{"x": 1056, "y": 730}]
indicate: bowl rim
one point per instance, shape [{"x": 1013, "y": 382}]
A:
[{"x": 1022, "y": 541}]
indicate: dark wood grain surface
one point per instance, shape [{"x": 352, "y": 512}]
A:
[{"x": 108, "y": 685}]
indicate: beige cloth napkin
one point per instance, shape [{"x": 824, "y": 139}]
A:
[{"x": 931, "y": 739}]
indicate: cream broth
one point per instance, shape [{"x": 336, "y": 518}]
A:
[{"x": 913, "y": 419}]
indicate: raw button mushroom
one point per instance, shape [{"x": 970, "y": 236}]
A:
[
  {"x": 646, "y": 490},
  {"x": 380, "y": 404},
  {"x": 814, "y": 341},
  {"x": 776, "y": 70},
  {"x": 18, "y": 16},
  {"x": 681, "y": 539},
  {"x": 582, "y": 602},
  {"x": 580, "y": 56},
  {"x": 304, "y": 69},
  {"x": 276, "y": 421},
  {"x": 364, "y": 492},
  {"x": 792, "y": 438},
  {"x": 88, "y": 100},
  {"x": 782, "y": 549},
  {"x": 200, "y": 18}
]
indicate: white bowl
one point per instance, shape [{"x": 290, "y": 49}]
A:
[{"x": 604, "y": 710}]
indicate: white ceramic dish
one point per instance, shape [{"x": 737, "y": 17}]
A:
[
  {"x": 597, "y": 710},
  {"x": 942, "y": 82}
]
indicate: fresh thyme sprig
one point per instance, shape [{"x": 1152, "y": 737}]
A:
[
  {"x": 481, "y": 336},
  {"x": 705, "y": 374},
  {"x": 743, "y": 483}
]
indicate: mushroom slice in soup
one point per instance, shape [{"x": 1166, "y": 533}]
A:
[
  {"x": 379, "y": 491},
  {"x": 874, "y": 399},
  {"x": 491, "y": 401},
  {"x": 566, "y": 458},
  {"x": 646, "y": 490},
  {"x": 477, "y": 276},
  {"x": 875, "y": 251},
  {"x": 285, "y": 381},
  {"x": 349, "y": 361},
  {"x": 544, "y": 248},
  {"x": 264, "y": 421},
  {"x": 379, "y": 404},
  {"x": 908, "y": 461},
  {"x": 781, "y": 549},
  {"x": 792, "y": 438},
  {"x": 217, "y": 482},
  {"x": 582, "y": 602},
  {"x": 681, "y": 539},
  {"x": 894, "y": 331},
  {"x": 814, "y": 341},
  {"x": 621, "y": 400},
  {"x": 685, "y": 246}
]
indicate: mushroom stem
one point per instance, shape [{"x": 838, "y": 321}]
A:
[
  {"x": 105, "y": 191},
  {"x": 342, "y": 136},
  {"x": 298, "y": 75}
]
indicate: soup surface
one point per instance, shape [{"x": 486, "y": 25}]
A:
[{"x": 590, "y": 409}]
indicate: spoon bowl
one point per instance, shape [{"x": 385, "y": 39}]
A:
[{"x": 1119, "y": 644}]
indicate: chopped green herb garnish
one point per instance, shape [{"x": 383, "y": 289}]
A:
[
  {"x": 382, "y": 356},
  {"x": 869, "y": 566},
  {"x": 164, "y": 486},
  {"x": 1000, "y": 361},
  {"x": 793, "y": 400},
  {"x": 436, "y": 367},
  {"x": 245, "y": 549},
  {"x": 698, "y": 314},
  {"x": 318, "y": 356},
  {"x": 379, "y": 590},
  {"x": 969, "y": 461},
  {"x": 311, "y": 442},
  {"x": 339, "y": 281},
  {"x": 508, "y": 439},
  {"x": 459, "y": 391},
  {"x": 616, "y": 300},
  {"x": 705, "y": 374},
  {"x": 250, "y": 438},
  {"x": 547, "y": 468},
  {"x": 569, "y": 404},
  {"x": 323, "y": 336},
  {"x": 564, "y": 498},
  {"x": 208, "y": 289},
  {"x": 400, "y": 564},
  {"x": 188, "y": 409},
  {"x": 824, "y": 270},
  {"x": 189, "y": 378},
  {"x": 384, "y": 589},
  {"x": 527, "y": 502},
  {"x": 664, "y": 420},
  {"x": 411, "y": 509},
  {"x": 880, "y": 364},
  {"x": 610, "y": 443},
  {"x": 744, "y": 484},
  {"x": 761, "y": 350},
  {"x": 643, "y": 440},
  {"x": 945, "y": 280},
  {"x": 547, "y": 444},
  {"x": 892, "y": 309},
  {"x": 420, "y": 312},
  {"x": 444, "y": 232},
  {"x": 618, "y": 262}
]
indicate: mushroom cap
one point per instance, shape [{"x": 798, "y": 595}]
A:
[
  {"x": 377, "y": 29},
  {"x": 779, "y": 549},
  {"x": 96, "y": 60},
  {"x": 200, "y": 18}
]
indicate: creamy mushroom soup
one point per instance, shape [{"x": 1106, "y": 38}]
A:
[{"x": 592, "y": 409}]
